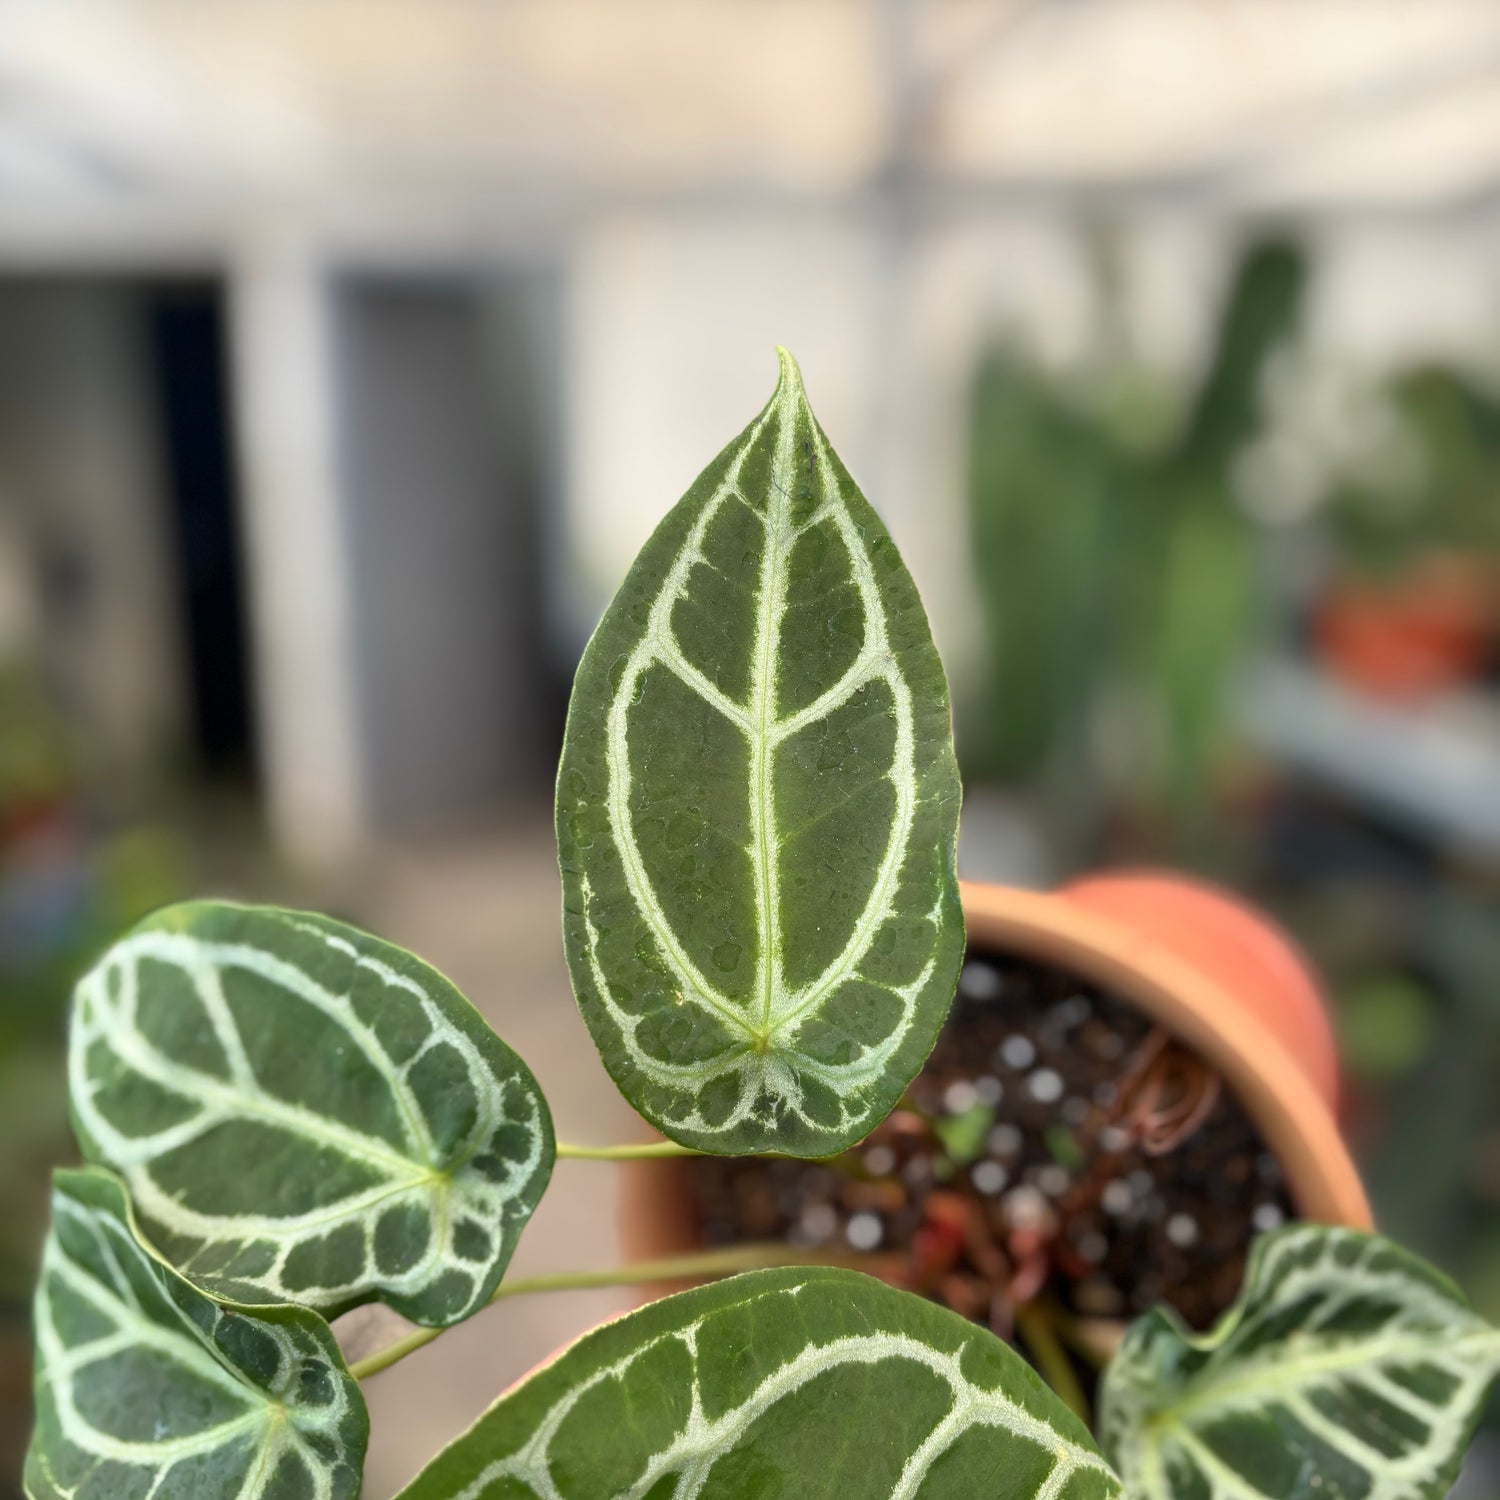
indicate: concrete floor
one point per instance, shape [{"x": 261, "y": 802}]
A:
[{"x": 487, "y": 913}]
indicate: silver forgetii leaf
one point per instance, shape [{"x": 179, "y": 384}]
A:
[
  {"x": 303, "y": 1113},
  {"x": 1348, "y": 1370},
  {"x": 148, "y": 1390},
  {"x": 757, "y": 809},
  {"x": 808, "y": 1384}
]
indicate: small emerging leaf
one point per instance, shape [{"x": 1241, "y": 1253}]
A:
[
  {"x": 1348, "y": 1370},
  {"x": 148, "y": 1390},
  {"x": 809, "y": 1383},
  {"x": 303, "y": 1113},
  {"x": 757, "y": 809}
]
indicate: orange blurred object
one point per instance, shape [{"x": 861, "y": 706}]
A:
[{"x": 1408, "y": 637}]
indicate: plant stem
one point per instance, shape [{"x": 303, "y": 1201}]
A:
[
  {"x": 645, "y": 1151},
  {"x": 705, "y": 1265},
  {"x": 1034, "y": 1324},
  {"x": 1092, "y": 1339}
]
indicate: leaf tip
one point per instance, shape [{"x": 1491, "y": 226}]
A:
[{"x": 790, "y": 379}]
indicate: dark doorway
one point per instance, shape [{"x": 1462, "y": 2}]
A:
[
  {"x": 186, "y": 333},
  {"x": 117, "y": 479}
]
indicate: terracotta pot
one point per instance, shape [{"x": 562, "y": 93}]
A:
[
  {"x": 1220, "y": 977},
  {"x": 1428, "y": 629},
  {"x": 1197, "y": 960}
]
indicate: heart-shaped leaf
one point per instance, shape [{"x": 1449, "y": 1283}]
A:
[
  {"x": 806, "y": 1382},
  {"x": 1348, "y": 1370},
  {"x": 148, "y": 1390},
  {"x": 757, "y": 809},
  {"x": 303, "y": 1113}
]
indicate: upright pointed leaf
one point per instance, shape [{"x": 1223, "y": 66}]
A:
[
  {"x": 148, "y": 1390},
  {"x": 1348, "y": 1368},
  {"x": 801, "y": 1383},
  {"x": 304, "y": 1113},
  {"x": 757, "y": 808}
]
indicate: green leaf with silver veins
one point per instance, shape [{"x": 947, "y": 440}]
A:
[
  {"x": 757, "y": 809},
  {"x": 1348, "y": 1370},
  {"x": 304, "y": 1113},
  {"x": 148, "y": 1390},
  {"x": 810, "y": 1383}
]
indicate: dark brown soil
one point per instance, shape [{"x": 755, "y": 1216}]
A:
[{"x": 1055, "y": 1144}]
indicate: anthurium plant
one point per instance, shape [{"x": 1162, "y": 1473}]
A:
[{"x": 757, "y": 807}]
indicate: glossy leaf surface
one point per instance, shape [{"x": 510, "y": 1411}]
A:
[
  {"x": 148, "y": 1390},
  {"x": 304, "y": 1113},
  {"x": 757, "y": 809},
  {"x": 808, "y": 1384},
  {"x": 1348, "y": 1370}
]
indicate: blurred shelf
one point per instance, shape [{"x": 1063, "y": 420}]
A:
[{"x": 1433, "y": 767}]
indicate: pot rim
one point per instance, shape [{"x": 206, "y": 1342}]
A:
[{"x": 1291, "y": 1115}]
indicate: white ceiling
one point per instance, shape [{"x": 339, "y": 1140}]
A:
[{"x": 179, "y": 118}]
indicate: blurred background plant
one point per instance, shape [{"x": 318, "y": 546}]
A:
[{"x": 1118, "y": 571}]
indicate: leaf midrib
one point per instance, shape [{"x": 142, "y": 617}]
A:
[
  {"x": 763, "y": 839},
  {"x": 882, "y": 894}
]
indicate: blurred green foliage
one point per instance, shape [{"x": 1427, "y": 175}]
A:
[
  {"x": 1386, "y": 1025},
  {"x": 1117, "y": 575},
  {"x": 34, "y": 758},
  {"x": 1449, "y": 495}
]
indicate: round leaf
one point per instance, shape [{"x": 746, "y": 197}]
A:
[
  {"x": 757, "y": 809},
  {"x": 1348, "y": 1368},
  {"x": 810, "y": 1382},
  {"x": 303, "y": 1113}
]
